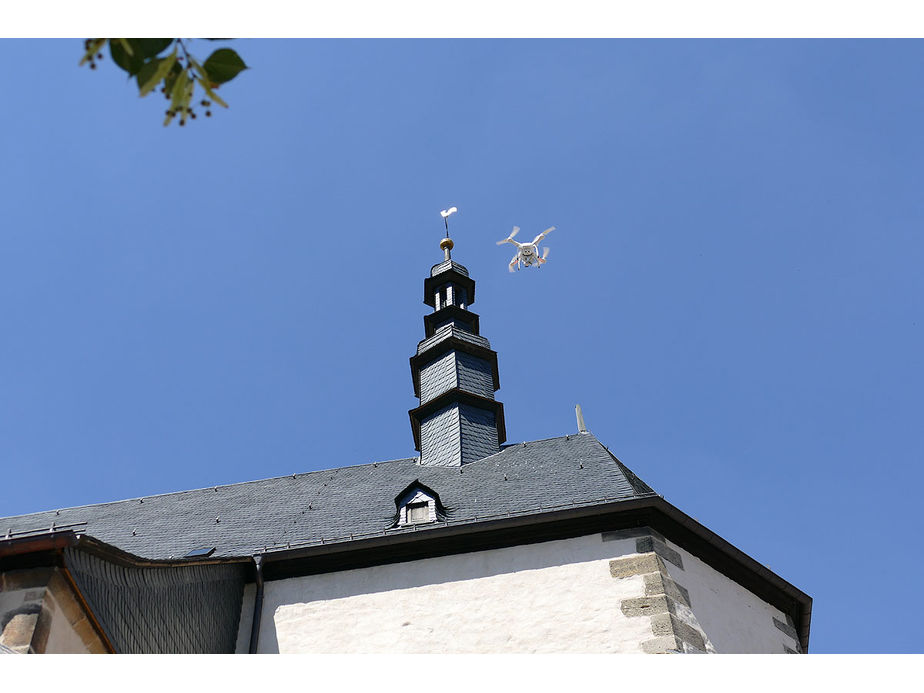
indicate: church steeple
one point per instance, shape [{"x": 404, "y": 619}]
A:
[{"x": 455, "y": 374}]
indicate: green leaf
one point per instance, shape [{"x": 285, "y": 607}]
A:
[
  {"x": 146, "y": 73},
  {"x": 130, "y": 63},
  {"x": 195, "y": 64},
  {"x": 211, "y": 94},
  {"x": 178, "y": 94},
  {"x": 223, "y": 65},
  {"x": 203, "y": 79},
  {"x": 127, "y": 46},
  {"x": 150, "y": 78},
  {"x": 150, "y": 47},
  {"x": 170, "y": 79}
]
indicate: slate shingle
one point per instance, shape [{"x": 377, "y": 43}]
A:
[
  {"x": 438, "y": 376},
  {"x": 359, "y": 500},
  {"x": 474, "y": 375},
  {"x": 439, "y": 437},
  {"x": 477, "y": 433}
]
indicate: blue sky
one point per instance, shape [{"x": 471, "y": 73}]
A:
[{"x": 733, "y": 293}]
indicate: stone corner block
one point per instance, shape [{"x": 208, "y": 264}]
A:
[
  {"x": 647, "y": 606},
  {"x": 649, "y": 544},
  {"x": 634, "y": 565},
  {"x": 631, "y": 533},
  {"x": 786, "y": 628},
  {"x": 668, "y": 624},
  {"x": 660, "y": 583},
  {"x": 17, "y": 634},
  {"x": 662, "y": 645}
]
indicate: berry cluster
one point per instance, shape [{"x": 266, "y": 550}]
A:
[
  {"x": 185, "y": 111},
  {"x": 91, "y": 46}
]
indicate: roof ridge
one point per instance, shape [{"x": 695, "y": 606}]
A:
[
  {"x": 637, "y": 484},
  {"x": 567, "y": 436},
  {"x": 507, "y": 446}
]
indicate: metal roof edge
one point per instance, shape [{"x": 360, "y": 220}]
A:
[{"x": 59, "y": 540}]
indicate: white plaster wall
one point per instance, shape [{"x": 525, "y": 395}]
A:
[
  {"x": 734, "y": 619},
  {"x": 550, "y": 597},
  {"x": 554, "y": 596}
]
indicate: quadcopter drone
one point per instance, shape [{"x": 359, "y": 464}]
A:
[{"x": 527, "y": 253}]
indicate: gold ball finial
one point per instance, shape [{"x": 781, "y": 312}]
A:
[{"x": 446, "y": 244}]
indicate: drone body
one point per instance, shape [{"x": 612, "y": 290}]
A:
[{"x": 527, "y": 253}]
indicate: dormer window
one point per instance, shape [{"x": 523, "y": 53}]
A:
[
  {"x": 418, "y": 505},
  {"x": 418, "y": 512},
  {"x": 419, "y": 508}
]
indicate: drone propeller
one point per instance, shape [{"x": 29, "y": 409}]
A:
[
  {"x": 543, "y": 234},
  {"x": 516, "y": 230},
  {"x": 545, "y": 253}
]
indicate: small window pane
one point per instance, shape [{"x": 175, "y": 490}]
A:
[{"x": 418, "y": 512}]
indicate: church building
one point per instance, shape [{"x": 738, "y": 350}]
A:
[{"x": 472, "y": 546}]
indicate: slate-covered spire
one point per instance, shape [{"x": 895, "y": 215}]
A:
[{"x": 455, "y": 374}]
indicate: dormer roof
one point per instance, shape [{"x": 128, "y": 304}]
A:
[{"x": 415, "y": 487}]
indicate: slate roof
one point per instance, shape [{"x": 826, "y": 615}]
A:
[
  {"x": 450, "y": 332},
  {"x": 349, "y": 502}
]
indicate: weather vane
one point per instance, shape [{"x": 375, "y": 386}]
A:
[
  {"x": 527, "y": 253},
  {"x": 446, "y": 244}
]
